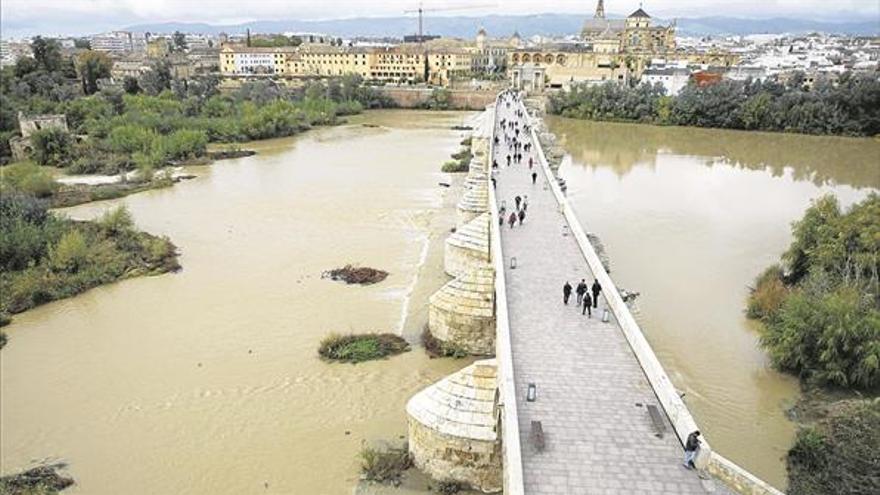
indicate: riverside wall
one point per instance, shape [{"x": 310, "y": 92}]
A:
[{"x": 459, "y": 99}]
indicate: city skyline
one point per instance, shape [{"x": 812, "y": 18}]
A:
[{"x": 80, "y": 17}]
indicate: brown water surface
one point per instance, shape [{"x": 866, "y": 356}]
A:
[
  {"x": 208, "y": 380},
  {"x": 689, "y": 217}
]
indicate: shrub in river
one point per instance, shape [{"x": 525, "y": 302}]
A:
[
  {"x": 449, "y": 487},
  {"x": 437, "y": 348},
  {"x": 822, "y": 318},
  {"x": 840, "y": 454},
  {"x": 352, "y": 274},
  {"x": 768, "y": 295},
  {"x": 384, "y": 465},
  {"x": 454, "y": 167},
  {"x": 47, "y": 258},
  {"x": 41, "y": 480},
  {"x": 364, "y": 347}
]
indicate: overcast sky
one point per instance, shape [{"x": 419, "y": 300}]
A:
[{"x": 18, "y": 17}]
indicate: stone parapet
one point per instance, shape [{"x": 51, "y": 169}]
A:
[
  {"x": 468, "y": 248},
  {"x": 462, "y": 312},
  {"x": 452, "y": 428}
]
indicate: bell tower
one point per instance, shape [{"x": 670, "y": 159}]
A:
[{"x": 600, "y": 10}]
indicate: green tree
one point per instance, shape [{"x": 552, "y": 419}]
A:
[
  {"x": 157, "y": 78},
  {"x": 47, "y": 53},
  {"x": 92, "y": 66},
  {"x": 52, "y": 146},
  {"x": 130, "y": 85},
  {"x": 179, "y": 40}
]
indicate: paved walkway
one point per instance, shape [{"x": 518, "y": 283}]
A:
[{"x": 591, "y": 392}]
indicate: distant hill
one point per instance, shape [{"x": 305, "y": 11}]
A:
[{"x": 505, "y": 25}]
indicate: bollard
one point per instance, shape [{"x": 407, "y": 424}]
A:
[
  {"x": 532, "y": 393},
  {"x": 605, "y": 316},
  {"x": 513, "y": 262}
]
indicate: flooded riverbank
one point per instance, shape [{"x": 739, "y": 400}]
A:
[
  {"x": 689, "y": 217},
  {"x": 208, "y": 381}
]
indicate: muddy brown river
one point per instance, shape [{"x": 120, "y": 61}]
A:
[
  {"x": 208, "y": 380},
  {"x": 689, "y": 217}
]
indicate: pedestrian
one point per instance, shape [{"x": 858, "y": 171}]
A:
[
  {"x": 494, "y": 185},
  {"x": 512, "y": 219},
  {"x": 691, "y": 447},
  {"x": 596, "y": 288},
  {"x": 581, "y": 290},
  {"x": 566, "y": 292},
  {"x": 518, "y": 200},
  {"x": 525, "y": 203},
  {"x": 531, "y": 162},
  {"x": 508, "y": 160},
  {"x": 522, "y": 216},
  {"x": 587, "y": 305},
  {"x": 534, "y": 177},
  {"x": 501, "y": 220}
]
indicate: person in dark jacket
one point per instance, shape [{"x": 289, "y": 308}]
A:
[
  {"x": 566, "y": 292},
  {"x": 511, "y": 220},
  {"x": 588, "y": 304},
  {"x": 691, "y": 447},
  {"x": 517, "y": 200},
  {"x": 596, "y": 288},
  {"x": 522, "y": 216},
  {"x": 534, "y": 177},
  {"x": 581, "y": 290}
]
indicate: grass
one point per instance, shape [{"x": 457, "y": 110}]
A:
[
  {"x": 768, "y": 295},
  {"x": 359, "y": 348},
  {"x": 384, "y": 465}
]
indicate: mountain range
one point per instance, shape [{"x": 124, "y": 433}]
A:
[{"x": 505, "y": 25}]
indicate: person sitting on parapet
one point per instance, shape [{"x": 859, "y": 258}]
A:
[{"x": 691, "y": 447}]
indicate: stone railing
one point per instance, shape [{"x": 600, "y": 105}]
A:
[
  {"x": 511, "y": 448},
  {"x": 679, "y": 415}
]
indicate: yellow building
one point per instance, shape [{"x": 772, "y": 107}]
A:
[{"x": 609, "y": 50}]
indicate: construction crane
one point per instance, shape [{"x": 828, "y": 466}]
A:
[{"x": 421, "y": 10}]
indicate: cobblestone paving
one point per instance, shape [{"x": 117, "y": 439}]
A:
[{"x": 591, "y": 391}]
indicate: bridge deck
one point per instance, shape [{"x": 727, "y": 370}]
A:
[{"x": 591, "y": 392}]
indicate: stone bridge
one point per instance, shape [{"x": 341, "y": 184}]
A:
[{"x": 564, "y": 402}]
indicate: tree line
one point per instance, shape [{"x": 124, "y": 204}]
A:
[
  {"x": 850, "y": 107},
  {"x": 155, "y": 119}
]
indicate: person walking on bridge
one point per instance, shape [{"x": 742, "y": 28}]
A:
[
  {"x": 566, "y": 292},
  {"x": 581, "y": 290},
  {"x": 534, "y": 177},
  {"x": 596, "y": 288},
  {"x": 691, "y": 447},
  {"x": 522, "y": 216},
  {"x": 588, "y": 304},
  {"x": 512, "y": 219}
]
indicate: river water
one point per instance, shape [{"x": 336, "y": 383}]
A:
[
  {"x": 208, "y": 380},
  {"x": 689, "y": 217}
]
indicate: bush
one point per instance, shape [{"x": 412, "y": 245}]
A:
[
  {"x": 28, "y": 178},
  {"x": 52, "y": 146},
  {"x": 822, "y": 318},
  {"x": 70, "y": 254},
  {"x": 359, "y": 348},
  {"x": 768, "y": 295},
  {"x": 840, "y": 454},
  {"x": 384, "y": 465}
]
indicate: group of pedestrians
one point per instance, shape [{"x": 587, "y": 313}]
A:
[
  {"x": 584, "y": 300},
  {"x": 522, "y": 204}
]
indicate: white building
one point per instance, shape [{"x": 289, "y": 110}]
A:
[
  {"x": 119, "y": 42},
  {"x": 673, "y": 79}
]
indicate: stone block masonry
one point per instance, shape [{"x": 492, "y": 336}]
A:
[{"x": 452, "y": 428}]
